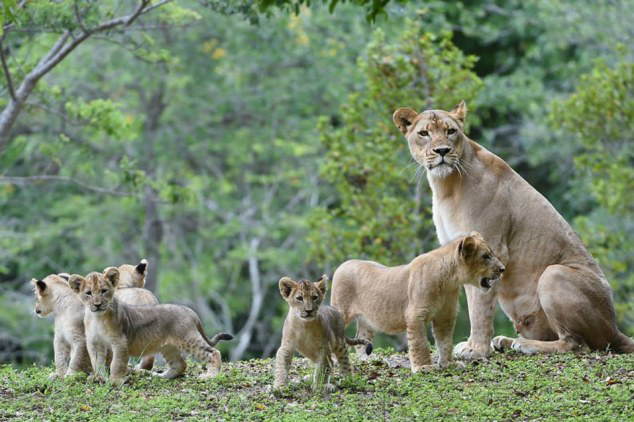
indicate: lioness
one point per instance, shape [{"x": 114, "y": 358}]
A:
[
  {"x": 54, "y": 296},
  {"x": 314, "y": 330},
  {"x": 130, "y": 290},
  {"x": 138, "y": 330},
  {"x": 552, "y": 289},
  {"x": 408, "y": 297}
]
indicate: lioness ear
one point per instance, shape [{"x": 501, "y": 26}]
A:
[
  {"x": 141, "y": 267},
  {"x": 286, "y": 286},
  {"x": 467, "y": 247},
  {"x": 459, "y": 112},
  {"x": 322, "y": 283},
  {"x": 112, "y": 274},
  {"x": 41, "y": 286},
  {"x": 76, "y": 282},
  {"x": 65, "y": 276},
  {"x": 403, "y": 119}
]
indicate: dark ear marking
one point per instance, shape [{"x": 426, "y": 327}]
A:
[
  {"x": 65, "y": 276},
  {"x": 40, "y": 285},
  {"x": 141, "y": 267}
]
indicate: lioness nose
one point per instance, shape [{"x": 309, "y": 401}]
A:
[{"x": 442, "y": 151}]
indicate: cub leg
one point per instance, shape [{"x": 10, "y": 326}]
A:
[
  {"x": 341, "y": 353},
  {"x": 443, "y": 327},
  {"x": 119, "y": 365},
  {"x": 364, "y": 330},
  {"x": 62, "y": 353},
  {"x": 97, "y": 353},
  {"x": 322, "y": 373},
  {"x": 79, "y": 359},
  {"x": 283, "y": 359},
  {"x": 417, "y": 342},
  {"x": 176, "y": 363},
  {"x": 562, "y": 290},
  {"x": 201, "y": 350}
]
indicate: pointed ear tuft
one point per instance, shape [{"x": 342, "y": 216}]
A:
[
  {"x": 76, "y": 282},
  {"x": 459, "y": 112},
  {"x": 286, "y": 286},
  {"x": 322, "y": 283},
  {"x": 141, "y": 267},
  {"x": 467, "y": 247},
  {"x": 403, "y": 118},
  {"x": 112, "y": 274}
]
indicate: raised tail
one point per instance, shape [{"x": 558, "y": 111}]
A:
[
  {"x": 215, "y": 339},
  {"x": 623, "y": 344},
  {"x": 359, "y": 341}
]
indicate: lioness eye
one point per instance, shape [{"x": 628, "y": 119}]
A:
[
  {"x": 299, "y": 298},
  {"x": 423, "y": 133},
  {"x": 451, "y": 131},
  {"x": 88, "y": 293},
  {"x": 104, "y": 291}
]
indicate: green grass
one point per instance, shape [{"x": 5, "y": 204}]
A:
[{"x": 593, "y": 387}]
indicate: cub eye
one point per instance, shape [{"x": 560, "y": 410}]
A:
[
  {"x": 451, "y": 131},
  {"x": 88, "y": 293},
  {"x": 315, "y": 298},
  {"x": 104, "y": 291},
  {"x": 486, "y": 257},
  {"x": 299, "y": 298},
  {"x": 423, "y": 133}
]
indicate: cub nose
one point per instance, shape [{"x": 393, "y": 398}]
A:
[
  {"x": 37, "y": 311},
  {"x": 442, "y": 151},
  {"x": 502, "y": 269}
]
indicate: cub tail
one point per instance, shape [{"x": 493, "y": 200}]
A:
[
  {"x": 215, "y": 339},
  {"x": 360, "y": 341}
]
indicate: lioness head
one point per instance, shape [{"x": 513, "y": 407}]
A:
[
  {"x": 303, "y": 296},
  {"x": 96, "y": 290},
  {"x": 482, "y": 267},
  {"x": 435, "y": 137},
  {"x": 132, "y": 275},
  {"x": 44, "y": 294}
]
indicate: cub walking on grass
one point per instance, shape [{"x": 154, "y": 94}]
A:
[
  {"x": 140, "y": 330},
  {"x": 408, "y": 297},
  {"x": 314, "y": 331},
  {"x": 54, "y": 296}
]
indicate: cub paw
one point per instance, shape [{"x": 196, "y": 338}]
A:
[
  {"x": 464, "y": 351},
  {"x": 502, "y": 343},
  {"x": 54, "y": 375},
  {"x": 208, "y": 375},
  {"x": 422, "y": 368}
]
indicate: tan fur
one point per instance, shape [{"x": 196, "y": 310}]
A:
[
  {"x": 53, "y": 296},
  {"x": 314, "y": 330},
  {"x": 140, "y": 330},
  {"x": 553, "y": 290},
  {"x": 408, "y": 297},
  {"x": 130, "y": 290}
]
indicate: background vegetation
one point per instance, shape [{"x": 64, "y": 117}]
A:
[{"x": 232, "y": 143}]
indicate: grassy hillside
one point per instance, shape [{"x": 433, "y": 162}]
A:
[{"x": 596, "y": 386}]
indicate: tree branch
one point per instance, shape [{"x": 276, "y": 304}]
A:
[
  {"x": 24, "y": 180},
  {"x": 5, "y": 69}
]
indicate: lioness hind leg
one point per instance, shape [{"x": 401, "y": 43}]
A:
[
  {"x": 578, "y": 307},
  {"x": 176, "y": 363},
  {"x": 364, "y": 330},
  {"x": 147, "y": 363}
]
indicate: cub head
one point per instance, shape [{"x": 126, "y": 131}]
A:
[
  {"x": 303, "y": 296},
  {"x": 96, "y": 290},
  {"x": 132, "y": 275},
  {"x": 45, "y": 294},
  {"x": 435, "y": 137},
  {"x": 482, "y": 267}
]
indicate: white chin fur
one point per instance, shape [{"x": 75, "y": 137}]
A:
[{"x": 441, "y": 171}]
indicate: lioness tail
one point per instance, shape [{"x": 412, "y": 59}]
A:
[
  {"x": 358, "y": 341},
  {"x": 623, "y": 344}
]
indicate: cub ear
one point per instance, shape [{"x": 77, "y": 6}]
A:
[
  {"x": 76, "y": 282},
  {"x": 112, "y": 274},
  {"x": 141, "y": 267},
  {"x": 286, "y": 286},
  {"x": 467, "y": 247},
  {"x": 65, "y": 276},
  {"x": 403, "y": 119},
  {"x": 322, "y": 283},
  {"x": 39, "y": 284},
  {"x": 459, "y": 112}
]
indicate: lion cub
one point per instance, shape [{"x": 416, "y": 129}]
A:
[
  {"x": 314, "y": 331},
  {"x": 54, "y": 296},
  {"x": 140, "y": 330},
  {"x": 395, "y": 299}
]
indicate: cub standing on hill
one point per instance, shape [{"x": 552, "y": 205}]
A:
[
  {"x": 53, "y": 295},
  {"x": 138, "y": 330},
  {"x": 395, "y": 299},
  {"x": 314, "y": 331}
]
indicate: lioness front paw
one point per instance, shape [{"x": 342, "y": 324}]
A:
[
  {"x": 465, "y": 351},
  {"x": 502, "y": 343},
  {"x": 117, "y": 381}
]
